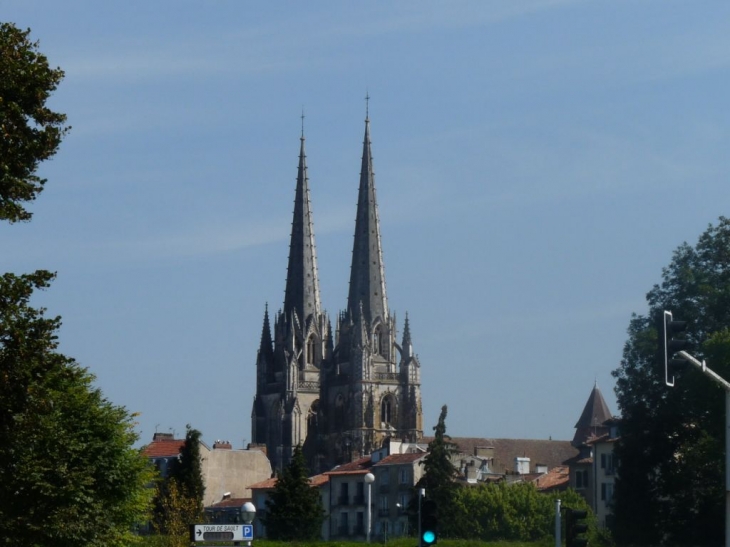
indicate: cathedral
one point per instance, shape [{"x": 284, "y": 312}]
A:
[{"x": 338, "y": 394}]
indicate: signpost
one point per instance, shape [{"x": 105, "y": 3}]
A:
[{"x": 221, "y": 532}]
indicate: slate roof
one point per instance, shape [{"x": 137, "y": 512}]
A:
[
  {"x": 593, "y": 417},
  {"x": 545, "y": 452}
]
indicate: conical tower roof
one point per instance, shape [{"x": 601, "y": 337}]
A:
[
  {"x": 367, "y": 274},
  {"x": 302, "y": 282},
  {"x": 591, "y": 420}
]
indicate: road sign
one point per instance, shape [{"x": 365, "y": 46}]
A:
[{"x": 221, "y": 532}]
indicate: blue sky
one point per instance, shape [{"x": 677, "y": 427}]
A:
[{"x": 537, "y": 162}]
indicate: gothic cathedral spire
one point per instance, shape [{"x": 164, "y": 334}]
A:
[
  {"x": 367, "y": 274},
  {"x": 302, "y": 284}
]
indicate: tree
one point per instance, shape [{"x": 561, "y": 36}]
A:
[
  {"x": 174, "y": 512},
  {"x": 294, "y": 510},
  {"x": 439, "y": 474},
  {"x": 31, "y": 132},
  {"x": 669, "y": 485},
  {"x": 511, "y": 512},
  {"x": 179, "y": 496},
  {"x": 188, "y": 470},
  {"x": 68, "y": 472}
]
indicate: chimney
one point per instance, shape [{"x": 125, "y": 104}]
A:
[
  {"x": 222, "y": 445},
  {"x": 162, "y": 437}
]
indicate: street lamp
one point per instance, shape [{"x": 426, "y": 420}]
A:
[
  {"x": 369, "y": 479},
  {"x": 402, "y": 509},
  {"x": 248, "y": 513}
]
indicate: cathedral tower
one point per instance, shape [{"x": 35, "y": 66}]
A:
[
  {"x": 337, "y": 398},
  {"x": 288, "y": 367},
  {"x": 371, "y": 389}
]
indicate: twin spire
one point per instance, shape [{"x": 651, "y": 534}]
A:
[
  {"x": 367, "y": 273},
  {"x": 302, "y": 280}
]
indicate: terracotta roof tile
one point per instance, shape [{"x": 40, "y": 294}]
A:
[
  {"x": 399, "y": 459},
  {"x": 359, "y": 466},
  {"x": 230, "y": 502},
  {"x": 556, "y": 479},
  {"x": 546, "y": 452},
  {"x": 163, "y": 448},
  {"x": 317, "y": 480}
]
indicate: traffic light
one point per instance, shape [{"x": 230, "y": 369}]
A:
[
  {"x": 429, "y": 523},
  {"x": 574, "y": 527},
  {"x": 669, "y": 345}
]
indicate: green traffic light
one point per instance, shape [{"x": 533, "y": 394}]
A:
[{"x": 429, "y": 537}]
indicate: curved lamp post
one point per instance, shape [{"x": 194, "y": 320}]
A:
[{"x": 369, "y": 479}]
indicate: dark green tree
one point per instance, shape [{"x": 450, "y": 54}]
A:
[
  {"x": 30, "y": 132},
  {"x": 188, "y": 470},
  {"x": 439, "y": 475},
  {"x": 69, "y": 475},
  {"x": 179, "y": 496},
  {"x": 669, "y": 486},
  {"x": 294, "y": 511}
]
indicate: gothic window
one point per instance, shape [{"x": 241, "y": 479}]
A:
[
  {"x": 378, "y": 341},
  {"x": 387, "y": 409},
  {"x": 311, "y": 347}
]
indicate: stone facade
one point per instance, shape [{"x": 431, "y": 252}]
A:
[{"x": 338, "y": 395}]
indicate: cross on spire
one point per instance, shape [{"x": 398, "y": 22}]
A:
[{"x": 367, "y": 105}]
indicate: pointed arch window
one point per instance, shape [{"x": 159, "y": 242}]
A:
[
  {"x": 387, "y": 409},
  {"x": 378, "y": 341},
  {"x": 311, "y": 350}
]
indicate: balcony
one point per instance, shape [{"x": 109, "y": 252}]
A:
[{"x": 359, "y": 500}]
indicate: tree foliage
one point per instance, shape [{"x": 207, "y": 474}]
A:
[
  {"x": 294, "y": 510},
  {"x": 69, "y": 475},
  {"x": 187, "y": 470},
  {"x": 669, "y": 485},
  {"x": 30, "y": 132},
  {"x": 510, "y": 512},
  {"x": 439, "y": 474},
  {"x": 68, "y": 472},
  {"x": 174, "y": 512},
  {"x": 179, "y": 496}
]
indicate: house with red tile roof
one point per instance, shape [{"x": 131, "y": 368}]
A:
[{"x": 227, "y": 472}]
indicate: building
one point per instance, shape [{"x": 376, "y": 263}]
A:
[
  {"x": 592, "y": 470},
  {"x": 338, "y": 393},
  {"x": 226, "y": 472},
  {"x": 513, "y": 460}
]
